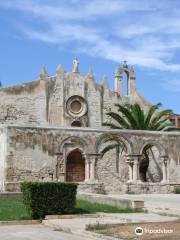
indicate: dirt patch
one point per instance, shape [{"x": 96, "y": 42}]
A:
[{"x": 151, "y": 231}]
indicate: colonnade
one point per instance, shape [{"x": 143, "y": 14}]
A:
[{"x": 133, "y": 162}]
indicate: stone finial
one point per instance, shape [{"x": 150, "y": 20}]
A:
[
  {"x": 43, "y": 73},
  {"x": 75, "y": 68},
  {"x": 105, "y": 82},
  {"x": 60, "y": 70},
  {"x": 90, "y": 74},
  {"x": 132, "y": 72},
  {"x": 118, "y": 71},
  {"x": 125, "y": 64}
]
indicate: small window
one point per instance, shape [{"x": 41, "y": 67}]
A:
[
  {"x": 76, "y": 106},
  {"x": 76, "y": 124}
]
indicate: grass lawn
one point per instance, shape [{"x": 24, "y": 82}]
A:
[
  {"x": 15, "y": 209},
  {"x": 83, "y": 206}
]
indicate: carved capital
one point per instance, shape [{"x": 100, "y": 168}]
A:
[
  {"x": 164, "y": 159},
  {"x": 132, "y": 159}
]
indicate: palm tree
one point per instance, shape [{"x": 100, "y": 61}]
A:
[{"x": 132, "y": 116}]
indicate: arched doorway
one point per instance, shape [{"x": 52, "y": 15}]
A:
[
  {"x": 149, "y": 165},
  {"x": 75, "y": 167}
]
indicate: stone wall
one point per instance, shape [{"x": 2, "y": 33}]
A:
[
  {"x": 44, "y": 102},
  {"x": 25, "y": 104},
  {"x": 40, "y": 154}
]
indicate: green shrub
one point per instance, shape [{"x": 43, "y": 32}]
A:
[
  {"x": 177, "y": 190},
  {"x": 49, "y": 198}
]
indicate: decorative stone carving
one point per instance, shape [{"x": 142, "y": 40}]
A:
[
  {"x": 90, "y": 74},
  {"x": 76, "y": 106},
  {"x": 75, "y": 66},
  {"x": 118, "y": 71},
  {"x": 133, "y": 163},
  {"x": 60, "y": 70},
  {"x": 43, "y": 73},
  {"x": 60, "y": 167}
]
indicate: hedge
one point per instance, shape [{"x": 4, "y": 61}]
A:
[{"x": 49, "y": 198}]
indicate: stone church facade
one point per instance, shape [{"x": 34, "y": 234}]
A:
[{"x": 51, "y": 130}]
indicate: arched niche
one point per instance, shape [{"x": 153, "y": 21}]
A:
[
  {"x": 74, "y": 141},
  {"x": 125, "y": 82},
  {"x": 107, "y": 138},
  {"x": 112, "y": 163},
  {"x": 150, "y": 167}
]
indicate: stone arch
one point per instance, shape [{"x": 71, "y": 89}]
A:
[
  {"x": 111, "y": 166},
  {"x": 150, "y": 167},
  {"x": 162, "y": 150},
  {"x": 74, "y": 140},
  {"x": 114, "y": 137},
  {"x": 75, "y": 166},
  {"x": 125, "y": 82}
]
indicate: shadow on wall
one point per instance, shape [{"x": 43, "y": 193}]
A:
[{"x": 149, "y": 167}]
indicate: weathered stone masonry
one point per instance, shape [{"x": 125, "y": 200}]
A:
[
  {"x": 51, "y": 130},
  {"x": 40, "y": 154}
]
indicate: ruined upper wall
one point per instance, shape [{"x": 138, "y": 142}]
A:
[
  {"x": 67, "y": 98},
  {"x": 23, "y": 103}
]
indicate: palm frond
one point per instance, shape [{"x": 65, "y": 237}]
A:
[
  {"x": 162, "y": 123},
  {"x": 160, "y": 115},
  {"x": 132, "y": 116},
  {"x": 149, "y": 114},
  {"x": 126, "y": 113},
  {"x": 119, "y": 119},
  {"x": 138, "y": 115}
]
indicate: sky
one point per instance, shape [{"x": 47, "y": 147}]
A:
[{"x": 101, "y": 34}]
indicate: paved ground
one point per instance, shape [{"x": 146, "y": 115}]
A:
[
  {"x": 159, "y": 203},
  {"x": 34, "y": 232},
  {"x": 75, "y": 226},
  {"x": 78, "y": 224},
  {"x": 150, "y": 231}
]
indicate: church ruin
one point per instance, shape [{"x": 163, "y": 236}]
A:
[{"x": 51, "y": 130}]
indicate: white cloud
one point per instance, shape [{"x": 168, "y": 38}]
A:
[{"x": 141, "y": 31}]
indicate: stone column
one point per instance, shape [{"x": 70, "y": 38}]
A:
[
  {"x": 91, "y": 159},
  {"x": 164, "y": 164},
  {"x": 136, "y": 168},
  {"x": 60, "y": 167},
  {"x": 87, "y": 169},
  {"x": 133, "y": 163},
  {"x": 130, "y": 163}
]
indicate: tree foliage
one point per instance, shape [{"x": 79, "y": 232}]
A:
[{"x": 132, "y": 116}]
